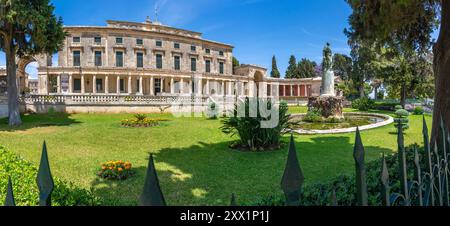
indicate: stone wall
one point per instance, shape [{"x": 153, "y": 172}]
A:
[
  {"x": 3, "y": 107},
  {"x": 137, "y": 109}
]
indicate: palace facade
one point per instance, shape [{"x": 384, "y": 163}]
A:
[{"x": 146, "y": 62}]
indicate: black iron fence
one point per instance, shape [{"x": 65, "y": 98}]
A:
[{"x": 428, "y": 187}]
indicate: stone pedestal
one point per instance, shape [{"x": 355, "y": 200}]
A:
[{"x": 329, "y": 106}]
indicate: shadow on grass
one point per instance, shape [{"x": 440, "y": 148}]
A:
[
  {"x": 207, "y": 174},
  {"x": 30, "y": 121}
]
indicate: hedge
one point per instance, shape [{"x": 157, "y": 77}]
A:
[
  {"x": 23, "y": 175},
  {"x": 385, "y": 106}
]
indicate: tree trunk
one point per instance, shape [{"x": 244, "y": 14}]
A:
[
  {"x": 376, "y": 93},
  {"x": 403, "y": 96},
  {"x": 442, "y": 73},
  {"x": 13, "y": 97},
  {"x": 361, "y": 91}
]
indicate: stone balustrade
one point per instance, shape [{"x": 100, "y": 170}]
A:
[{"x": 112, "y": 100}]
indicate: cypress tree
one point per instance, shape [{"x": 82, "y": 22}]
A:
[
  {"x": 275, "y": 73},
  {"x": 292, "y": 68}
]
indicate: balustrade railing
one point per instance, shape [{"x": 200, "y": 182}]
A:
[{"x": 112, "y": 99}]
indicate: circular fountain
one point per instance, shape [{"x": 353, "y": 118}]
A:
[
  {"x": 328, "y": 109},
  {"x": 351, "y": 121}
]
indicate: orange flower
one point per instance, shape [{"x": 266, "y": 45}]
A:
[{"x": 120, "y": 169}]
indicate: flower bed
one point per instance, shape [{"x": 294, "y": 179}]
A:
[
  {"x": 140, "y": 123},
  {"x": 141, "y": 120},
  {"x": 116, "y": 170}
]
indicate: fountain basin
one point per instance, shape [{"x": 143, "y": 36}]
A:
[{"x": 353, "y": 120}]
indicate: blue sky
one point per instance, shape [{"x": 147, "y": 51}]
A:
[{"x": 258, "y": 29}]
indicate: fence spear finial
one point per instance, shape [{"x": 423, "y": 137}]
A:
[
  {"x": 152, "y": 194},
  {"x": 44, "y": 179},
  {"x": 9, "y": 201}
]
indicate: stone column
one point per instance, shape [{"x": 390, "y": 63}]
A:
[
  {"x": 207, "y": 90},
  {"x": 43, "y": 83},
  {"x": 191, "y": 91},
  {"x": 200, "y": 87},
  {"x": 141, "y": 86},
  {"x": 83, "y": 90},
  {"x": 163, "y": 85},
  {"x": 94, "y": 84},
  {"x": 118, "y": 85},
  {"x": 263, "y": 90},
  {"x": 152, "y": 86},
  {"x": 230, "y": 88},
  {"x": 182, "y": 86},
  {"x": 222, "y": 92},
  {"x": 58, "y": 81},
  {"x": 284, "y": 90},
  {"x": 130, "y": 87},
  {"x": 70, "y": 84},
  {"x": 172, "y": 86},
  {"x": 106, "y": 84}
]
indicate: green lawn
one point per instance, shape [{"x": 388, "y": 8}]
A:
[{"x": 194, "y": 163}]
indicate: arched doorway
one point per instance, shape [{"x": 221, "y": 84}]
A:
[
  {"x": 29, "y": 78},
  {"x": 27, "y": 70}
]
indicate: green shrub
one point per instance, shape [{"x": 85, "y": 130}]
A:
[
  {"x": 251, "y": 135},
  {"x": 398, "y": 107},
  {"x": 380, "y": 95},
  {"x": 51, "y": 111},
  {"x": 23, "y": 175},
  {"x": 363, "y": 104},
  {"x": 418, "y": 111},
  {"x": 401, "y": 117},
  {"x": 212, "y": 111},
  {"x": 345, "y": 185},
  {"x": 313, "y": 115}
]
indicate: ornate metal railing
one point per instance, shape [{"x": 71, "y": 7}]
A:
[{"x": 428, "y": 186}]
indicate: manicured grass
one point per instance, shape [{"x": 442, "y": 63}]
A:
[{"x": 194, "y": 163}]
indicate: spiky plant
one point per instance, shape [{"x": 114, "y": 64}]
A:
[
  {"x": 140, "y": 117},
  {"x": 249, "y": 130}
]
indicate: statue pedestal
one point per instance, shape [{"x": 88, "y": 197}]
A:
[{"x": 331, "y": 107}]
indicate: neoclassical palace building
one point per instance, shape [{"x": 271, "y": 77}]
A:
[{"x": 128, "y": 64}]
